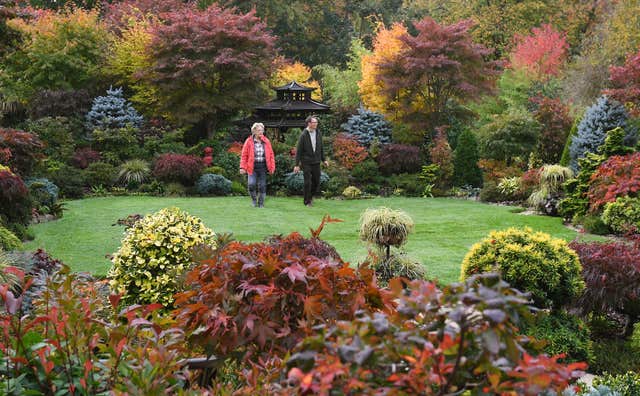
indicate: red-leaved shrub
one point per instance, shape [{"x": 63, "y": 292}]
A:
[
  {"x": 554, "y": 117},
  {"x": 235, "y": 148},
  {"x": 438, "y": 342},
  {"x": 84, "y": 157},
  {"x": 15, "y": 206},
  {"x": 611, "y": 272},
  {"x": 25, "y": 149},
  {"x": 618, "y": 176},
  {"x": 399, "y": 158},
  {"x": 179, "y": 168},
  {"x": 495, "y": 170},
  {"x": 347, "y": 151},
  {"x": 265, "y": 297}
]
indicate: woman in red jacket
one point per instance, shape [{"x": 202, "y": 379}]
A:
[{"x": 257, "y": 159}]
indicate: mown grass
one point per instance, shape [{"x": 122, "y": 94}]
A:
[{"x": 445, "y": 228}]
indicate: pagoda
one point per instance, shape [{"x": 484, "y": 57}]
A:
[{"x": 293, "y": 104}]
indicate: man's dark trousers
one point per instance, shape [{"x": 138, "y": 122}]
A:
[{"x": 311, "y": 174}]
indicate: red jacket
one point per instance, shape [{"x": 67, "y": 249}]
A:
[{"x": 246, "y": 159}]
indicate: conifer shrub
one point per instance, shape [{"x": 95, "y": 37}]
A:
[
  {"x": 367, "y": 125},
  {"x": 57, "y": 135},
  {"x": 465, "y": 161},
  {"x": 8, "y": 240},
  {"x": 178, "y": 168},
  {"x": 43, "y": 191},
  {"x": 295, "y": 182},
  {"x": 399, "y": 158},
  {"x": 623, "y": 215},
  {"x": 112, "y": 111},
  {"x": 530, "y": 261},
  {"x": 154, "y": 254},
  {"x": 606, "y": 114},
  {"x": 70, "y": 180},
  {"x": 101, "y": 174},
  {"x": 562, "y": 332},
  {"x": 212, "y": 184}
]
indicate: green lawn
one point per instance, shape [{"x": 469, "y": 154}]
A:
[{"x": 445, "y": 228}]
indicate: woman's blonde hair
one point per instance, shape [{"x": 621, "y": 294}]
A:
[{"x": 256, "y": 126}]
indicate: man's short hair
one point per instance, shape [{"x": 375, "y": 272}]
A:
[{"x": 311, "y": 117}]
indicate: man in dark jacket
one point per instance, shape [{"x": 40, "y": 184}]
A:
[{"x": 309, "y": 155}]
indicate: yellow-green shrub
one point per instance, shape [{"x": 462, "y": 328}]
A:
[
  {"x": 8, "y": 240},
  {"x": 530, "y": 261},
  {"x": 352, "y": 192},
  {"x": 155, "y": 252}
]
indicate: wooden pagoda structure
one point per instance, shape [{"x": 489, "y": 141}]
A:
[{"x": 290, "y": 108}]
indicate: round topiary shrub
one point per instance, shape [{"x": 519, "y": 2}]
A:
[
  {"x": 8, "y": 240},
  {"x": 154, "y": 254},
  {"x": 352, "y": 192},
  {"x": 623, "y": 215},
  {"x": 212, "y": 184},
  {"x": 530, "y": 261},
  {"x": 295, "y": 182},
  {"x": 178, "y": 168}
]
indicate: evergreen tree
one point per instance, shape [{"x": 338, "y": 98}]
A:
[
  {"x": 606, "y": 114},
  {"x": 112, "y": 112},
  {"x": 565, "y": 158},
  {"x": 366, "y": 126},
  {"x": 465, "y": 161}
]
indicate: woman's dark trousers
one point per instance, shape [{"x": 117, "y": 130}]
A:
[{"x": 257, "y": 183}]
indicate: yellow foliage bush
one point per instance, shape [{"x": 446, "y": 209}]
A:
[{"x": 154, "y": 254}]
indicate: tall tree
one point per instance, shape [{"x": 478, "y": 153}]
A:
[
  {"x": 542, "y": 53},
  {"x": 626, "y": 83},
  {"x": 63, "y": 50},
  {"x": 207, "y": 65},
  {"x": 438, "y": 64},
  {"x": 299, "y": 72}
]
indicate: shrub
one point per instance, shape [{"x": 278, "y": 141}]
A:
[
  {"x": 509, "y": 187},
  {"x": 625, "y": 384},
  {"x": 562, "y": 333},
  {"x": 593, "y": 224},
  {"x": 133, "y": 172},
  {"x": 611, "y": 272},
  {"x": 366, "y": 126},
  {"x": 212, "y": 184},
  {"x": 398, "y": 265},
  {"x": 576, "y": 203},
  {"x": 491, "y": 193},
  {"x": 83, "y": 157},
  {"x": 601, "y": 117},
  {"x": 336, "y": 185},
  {"x": 43, "y": 191},
  {"x": 295, "y": 182},
  {"x": 70, "y": 180},
  {"x": 100, "y": 174},
  {"x": 366, "y": 172},
  {"x": 112, "y": 112},
  {"x": 15, "y": 205},
  {"x": 494, "y": 170},
  {"x": 25, "y": 148},
  {"x": 215, "y": 170},
  {"x": 623, "y": 215},
  {"x": 178, "y": 168},
  {"x": 174, "y": 190},
  {"x": 347, "y": 151},
  {"x": 258, "y": 299},
  {"x": 8, "y": 240},
  {"x": 635, "y": 338},
  {"x": 284, "y": 165},
  {"x": 399, "y": 158},
  {"x": 556, "y": 123},
  {"x": 546, "y": 196},
  {"x": 409, "y": 184},
  {"x": 59, "y": 103},
  {"x": 530, "y": 261},
  {"x": 510, "y": 136},
  {"x": 618, "y": 176},
  {"x": 56, "y": 134},
  {"x": 153, "y": 255},
  {"x": 440, "y": 340},
  {"x": 614, "y": 356},
  {"x": 117, "y": 144},
  {"x": 465, "y": 161},
  {"x": 352, "y": 192},
  {"x": 230, "y": 163},
  {"x": 385, "y": 227},
  {"x": 442, "y": 156}
]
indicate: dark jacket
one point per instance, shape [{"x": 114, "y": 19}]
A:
[{"x": 304, "y": 151}]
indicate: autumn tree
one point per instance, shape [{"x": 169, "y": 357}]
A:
[
  {"x": 555, "y": 122},
  {"x": 542, "y": 53},
  {"x": 8, "y": 36},
  {"x": 438, "y": 64},
  {"x": 207, "y": 65},
  {"x": 63, "y": 50},
  {"x": 386, "y": 47},
  {"x": 626, "y": 83},
  {"x": 296, "y": 71}
]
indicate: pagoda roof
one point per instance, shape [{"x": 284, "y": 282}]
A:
[
  {"x": 293, "y": 105},
  {"x": 294, "y": 86}
]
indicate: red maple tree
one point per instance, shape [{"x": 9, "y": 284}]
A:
[
  {"x": 626, "y": 83},
  {"x": 541, "y": 53}
]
